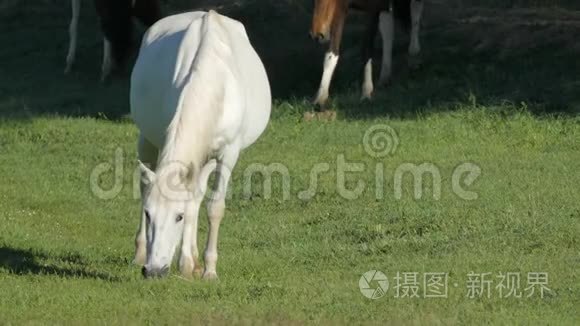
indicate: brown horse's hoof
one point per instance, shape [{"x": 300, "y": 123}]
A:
[{"x": 327, "y": 115}]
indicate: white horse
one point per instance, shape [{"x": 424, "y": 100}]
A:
[{"x": 199, "y": 95}]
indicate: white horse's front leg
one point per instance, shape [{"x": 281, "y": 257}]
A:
[
  {"x": 148, "y": 155},
  {"x": 72, "y": 33},
  {"x": 215, "y": 210},
  {"x": 189, "y": 260},
  {"x": 414, "y": 44},
  {"x": 107, "y": 66},
  {"x": 189, "y": 264},
  {"x": 387, "y": 28},
  {"x": 330, "y": 61}
]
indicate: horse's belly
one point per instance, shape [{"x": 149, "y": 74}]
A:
[{"x": 258, "y": 99}]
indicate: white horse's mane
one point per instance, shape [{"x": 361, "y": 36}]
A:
[{"x": 201, "y": 102}]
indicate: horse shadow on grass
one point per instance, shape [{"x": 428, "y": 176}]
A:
[{"x": 29, "y": 262}]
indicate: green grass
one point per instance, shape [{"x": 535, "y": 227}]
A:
[{"x": 65, "y": 254}]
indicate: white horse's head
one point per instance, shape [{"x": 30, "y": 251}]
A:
[{"x": 165, "y": 201}]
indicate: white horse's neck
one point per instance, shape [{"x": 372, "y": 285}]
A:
[{"x": 199, "y": 111}]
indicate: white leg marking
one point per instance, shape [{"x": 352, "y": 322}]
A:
[
  {"x": 330, "y": 61},
  {"x": 72, "y": 32},
  {"x": 107, "y": 60},
  {"x": 367, "y": 86},
  {"x": 215, "y": 211},
  {"x": 387, "y": 29},
  {"x": 416, "y": 15}
]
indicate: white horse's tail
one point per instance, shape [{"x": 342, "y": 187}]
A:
[{"x": 200, "y": 105}]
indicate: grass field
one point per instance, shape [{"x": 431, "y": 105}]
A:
[{"x": 503, "y": 98}]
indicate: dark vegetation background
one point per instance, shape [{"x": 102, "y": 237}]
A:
[{"x": 485, "y": 51}]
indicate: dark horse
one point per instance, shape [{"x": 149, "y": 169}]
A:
[
  {"x": 328, "y": 22},
  {"x": 117, "y": 26}
]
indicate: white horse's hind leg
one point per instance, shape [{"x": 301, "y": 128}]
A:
[
  {"x": 215, "y": 210},
  {"x": 148, "y": 155},
  {"x": 72, "y": 32},
  {"x": 414, "y": 44},
  {"x": 387, "y": 29},
  {"x": 330, "y": 61},
  {"x": 107, "y": 60}
]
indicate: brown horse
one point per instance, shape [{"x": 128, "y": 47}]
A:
[
  {"x": 117, "y": 26},
  {"x": 328, "y": 22}
]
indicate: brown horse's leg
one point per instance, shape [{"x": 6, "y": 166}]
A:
[
  {"x": 330, "y": 60},
  {"x": 368, "y": 47}
]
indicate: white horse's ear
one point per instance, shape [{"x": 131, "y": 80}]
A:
[{"x": 147, "y": 176}]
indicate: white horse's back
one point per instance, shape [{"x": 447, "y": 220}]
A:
[{"x": 169, "y": 60}]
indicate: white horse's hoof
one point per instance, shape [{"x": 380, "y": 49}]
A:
[
  {"x": 139, "y": 259},
  {"x": 197, "y": 271},
  {"x": 186, "y": 268},
  {"x": 210, "y": 276}
]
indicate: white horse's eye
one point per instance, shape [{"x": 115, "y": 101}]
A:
[{"x": 179, "y": 218}]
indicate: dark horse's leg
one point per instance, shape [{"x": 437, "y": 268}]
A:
[
  {"x": 368, "y": 47},
  {"x": 387, "y": 28},
  {"x": 330, "y": 60},
  {"x": 414, "y": 44},
  {"x": 115, "y": 19}
]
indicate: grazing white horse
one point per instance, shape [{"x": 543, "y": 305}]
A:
[{"x": 199, "y": 95}]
